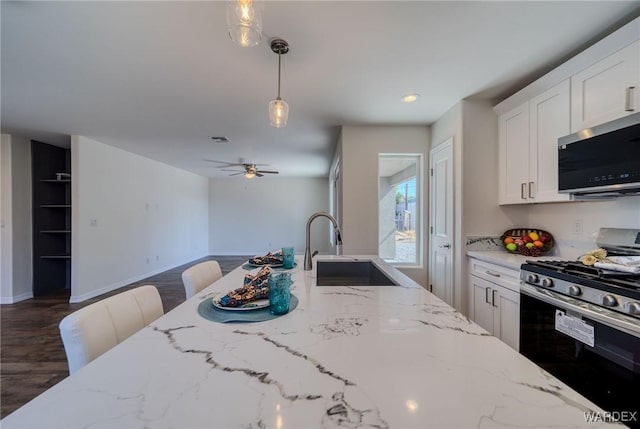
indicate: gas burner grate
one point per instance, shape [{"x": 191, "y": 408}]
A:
[{"x": 577, "y": 270}]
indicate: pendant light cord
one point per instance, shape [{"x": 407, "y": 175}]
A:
[{"x": 279, "y": 61}]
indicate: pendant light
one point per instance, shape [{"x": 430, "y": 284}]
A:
[
  {"x": 244, "y": 22},
  {"x": 278, "y": 108}
]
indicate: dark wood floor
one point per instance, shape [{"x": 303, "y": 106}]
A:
[{"x": 32, "y": 357}]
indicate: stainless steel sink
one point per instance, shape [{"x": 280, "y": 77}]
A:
[{"x": 350, "y": 273}]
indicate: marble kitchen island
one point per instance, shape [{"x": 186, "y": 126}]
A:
[{"x": 346, "y": 357}]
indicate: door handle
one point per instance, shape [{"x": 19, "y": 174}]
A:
[
  {"x": 522, "y": 191},
  {"x": 530, "y": 189},
  {"x": 486, "y": 294},
  {"x": 628, "y": 99},
  {"x": 493, "y": 298}
]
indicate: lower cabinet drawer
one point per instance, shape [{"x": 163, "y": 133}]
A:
[{"x": 505, "y": 277}]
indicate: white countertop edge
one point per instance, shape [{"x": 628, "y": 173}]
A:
[{"x": 508, "y": 260}]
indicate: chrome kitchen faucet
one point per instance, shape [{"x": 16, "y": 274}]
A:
[{"x": 308, "y": 265}]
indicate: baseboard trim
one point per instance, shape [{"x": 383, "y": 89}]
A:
[
  {"x": 16, "y": 298},
  {"x": 113, "y": 286}
]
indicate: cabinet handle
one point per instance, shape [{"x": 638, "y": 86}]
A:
[
  {"x": 530, "y": 189},
  {"x": 486, "y": 294},
  {"x": 491, "y": 273},
  {"x": 522, "y": 190},
  {"x": 628, "y": 99},
  {"x": 493, "y": 297}
]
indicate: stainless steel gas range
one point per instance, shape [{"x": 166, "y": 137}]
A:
[{"x": 582, "y": 324}]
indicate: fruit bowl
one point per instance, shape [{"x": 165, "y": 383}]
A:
[{"x": 527, "y": 241}]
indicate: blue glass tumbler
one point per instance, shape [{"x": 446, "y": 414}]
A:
[
  {"x": 288, "y": 257},
  {"x": 279, "y": 293}
]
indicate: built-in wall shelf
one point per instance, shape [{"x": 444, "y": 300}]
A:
[{"x": 51, "y": 217}]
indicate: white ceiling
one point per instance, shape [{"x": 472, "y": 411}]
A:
[{"x": 161, "y": 78}]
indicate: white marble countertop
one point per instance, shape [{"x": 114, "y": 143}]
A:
[
  {"x": 506, "y": 259},
  {"x": 346, "y": 357}
]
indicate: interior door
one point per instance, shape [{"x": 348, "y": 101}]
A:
[{"x": 441, "y": 221}]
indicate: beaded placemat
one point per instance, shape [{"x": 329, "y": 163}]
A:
[{"x": 207, "y": 310}]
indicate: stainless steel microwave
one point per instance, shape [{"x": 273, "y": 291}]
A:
[{"x": 603, "y": 160}]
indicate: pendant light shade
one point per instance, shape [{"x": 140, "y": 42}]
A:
[
  {"x": 278, "y": 108},
  {"x": 278, "y": 113},
  {"x": 244, "y": 21}
]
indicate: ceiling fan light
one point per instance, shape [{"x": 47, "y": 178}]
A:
[
  {"x": 249, "y": 174},
  {"x": 278, "y": 113},
  {"x": 244, "y": 22}
]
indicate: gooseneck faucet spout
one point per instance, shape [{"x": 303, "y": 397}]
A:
[{"x": 308, "y": 265}]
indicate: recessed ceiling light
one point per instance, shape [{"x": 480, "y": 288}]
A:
[
  {"x": 220, "y": 139},
  {"x": 410, "y": 98}
]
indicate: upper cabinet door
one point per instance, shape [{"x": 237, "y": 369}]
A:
[
  {"x": 608, "y": 90},
  {"x": 549, "y": 115},
  {"x": 513, "y": 150}
]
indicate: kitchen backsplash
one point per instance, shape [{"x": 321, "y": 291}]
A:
[{"x": 487, "y": 242}]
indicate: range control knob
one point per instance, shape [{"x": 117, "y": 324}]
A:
[
  {"x": 532, "y": 278},
  {"x": 634, "y": 308},
  {"x": 609, "y": 301},
  {"x": 547, "y": 282},
  {"x": 575, "y": 290}
]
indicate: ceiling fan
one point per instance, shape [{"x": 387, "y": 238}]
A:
[{"x": 249, "y": 170}]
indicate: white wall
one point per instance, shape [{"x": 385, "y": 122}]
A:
[
  {"x": 16, "y": 232},
  {"x": 450, "y": 126},
  {"x": 360, "y": 148},
  {"x": 473, "y": 125},
  {"x": 132, "y": 217},
  {"x": 6, "y": 236},
  {"x": 250, "y": 217},
  {"x": 559, "y": 219},
  {"x": 482, "y": 214},
  {"x": 22, "y": 218}
]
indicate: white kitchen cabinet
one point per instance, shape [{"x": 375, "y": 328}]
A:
[
  {"x": 607, "y": 90},
  {"x": 496, "y": 303},
  {"x": 549, "y": 119},
  {"x": 528, "y": 147},
  {"x": 513, "y": 154}
]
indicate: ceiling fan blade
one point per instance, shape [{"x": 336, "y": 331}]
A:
[
  {"x": 270, "y": 172},
  {"x": 236, "y": 174},
  {"x": 227, "y": 163},
  {"x": 259, "y": 175},
  {"x": 231, "y": 170}
]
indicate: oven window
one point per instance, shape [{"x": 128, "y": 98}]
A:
[{"x": 605, "y": 373}]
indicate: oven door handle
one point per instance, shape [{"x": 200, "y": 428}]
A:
[{"x": 602, "y": 315}]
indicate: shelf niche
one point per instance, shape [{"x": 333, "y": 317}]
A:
[{"x": 51, "y": 218}]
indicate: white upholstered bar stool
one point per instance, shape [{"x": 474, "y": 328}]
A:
[
  {"x": 91, "y": 331},
  {"x": 200, "y": 276}
]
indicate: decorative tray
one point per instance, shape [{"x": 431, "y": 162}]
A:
[{"x": 527, "y": 241}]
